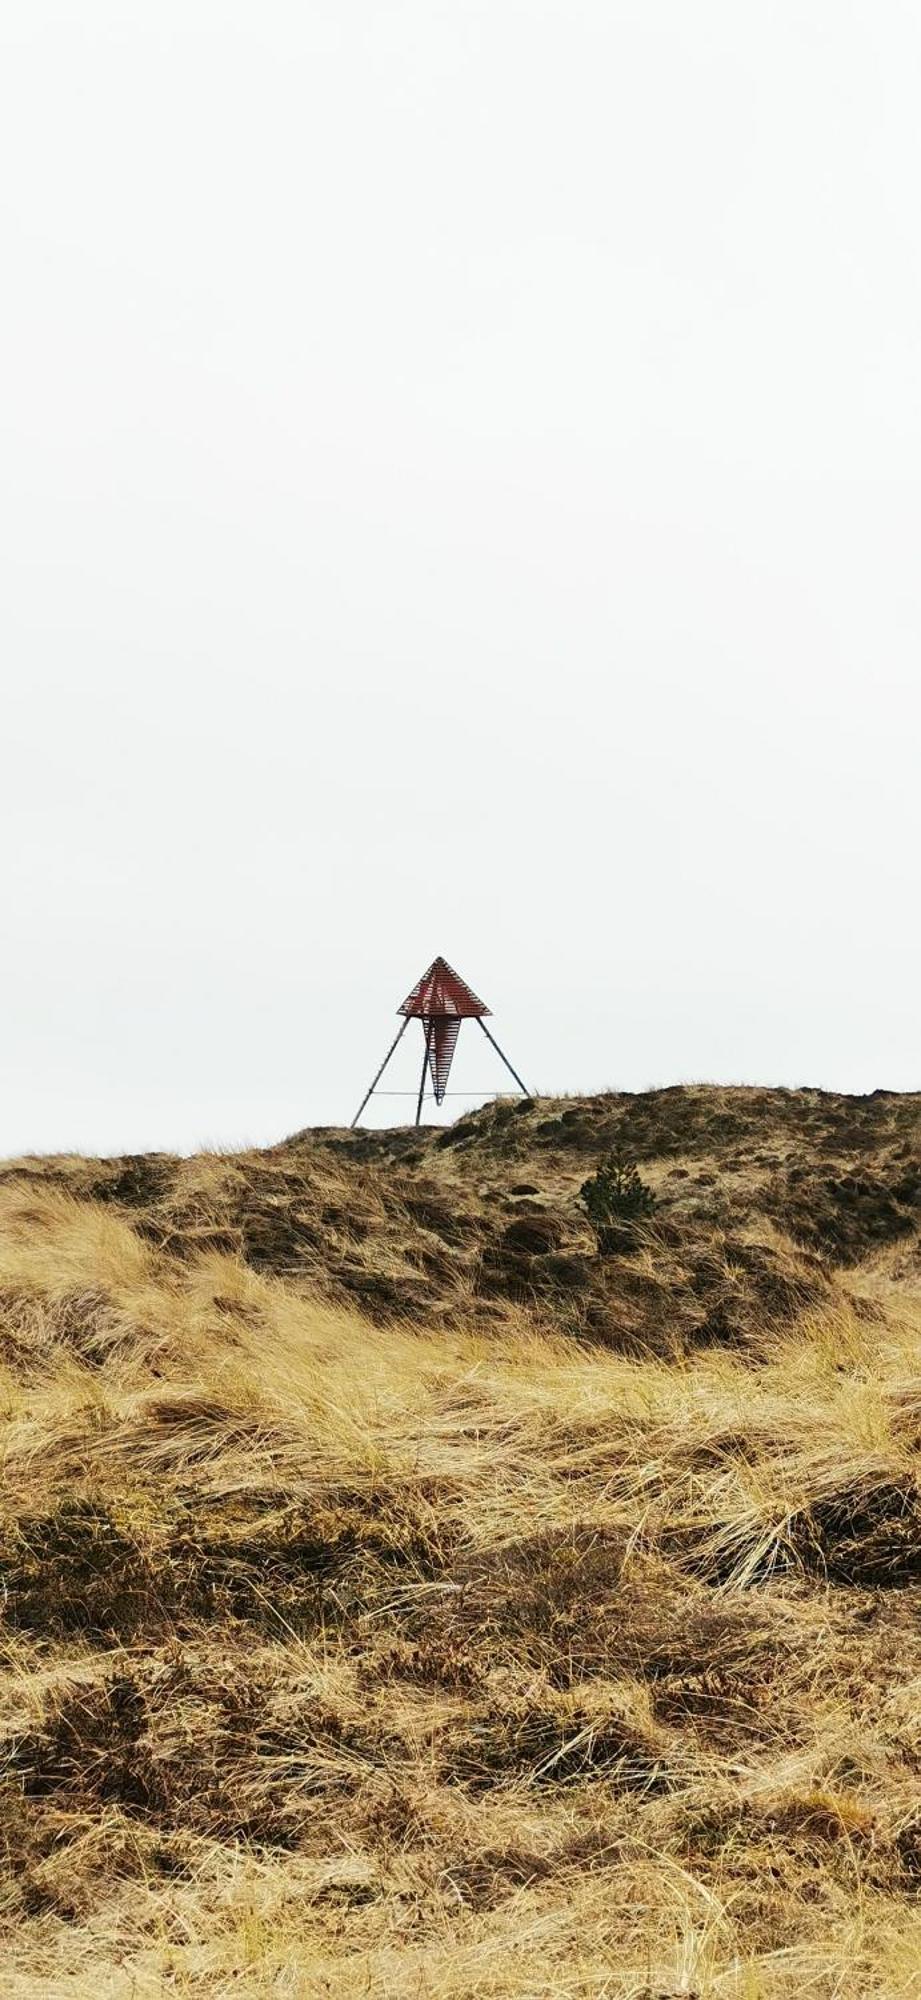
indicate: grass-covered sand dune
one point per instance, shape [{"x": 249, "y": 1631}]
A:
[{"x": 401, "y": 1598}]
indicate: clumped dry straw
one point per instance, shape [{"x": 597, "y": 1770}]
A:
[{"x": 444, "y": 1659}]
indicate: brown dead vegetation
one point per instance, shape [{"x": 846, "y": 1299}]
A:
[{"x": 549, "y": 1625}]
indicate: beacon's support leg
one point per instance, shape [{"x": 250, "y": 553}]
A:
[
  {"x": 511, "y": 1071},
  {"x": 370, "y": 1092},
  {"x": 425, "y": 1064}
]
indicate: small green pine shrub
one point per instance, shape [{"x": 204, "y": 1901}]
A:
[{"x": 616, "y": 1200}]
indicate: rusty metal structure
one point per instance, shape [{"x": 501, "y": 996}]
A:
[{"x": 441, "y": 1000}]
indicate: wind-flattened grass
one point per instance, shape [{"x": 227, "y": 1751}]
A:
[{"x": 341, "y": 1658}]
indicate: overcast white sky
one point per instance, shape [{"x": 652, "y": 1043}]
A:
[{"x": 460, "y": 492}]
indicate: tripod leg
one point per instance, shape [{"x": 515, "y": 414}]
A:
[
  {"x": 511, "y": 1071},
  {"x": 428, "y": 1044},
  {"x": 370, "y": 1092}
]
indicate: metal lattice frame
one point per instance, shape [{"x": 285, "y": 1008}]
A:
[{"x": 441, "y": 1000}]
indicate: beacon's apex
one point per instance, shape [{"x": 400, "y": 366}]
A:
[{"x": 442, "y": 991}]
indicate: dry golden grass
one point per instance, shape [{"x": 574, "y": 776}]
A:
[{"x": 452, "y": 1659}]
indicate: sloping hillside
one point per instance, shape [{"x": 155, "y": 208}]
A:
[
  {"x": 402, "y": 1596},
  {"x": 763, "y": 1196}
]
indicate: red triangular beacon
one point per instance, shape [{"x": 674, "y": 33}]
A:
[
  {"x": 440, "y": 992},
  {"x": 441, "y": 1000}
]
